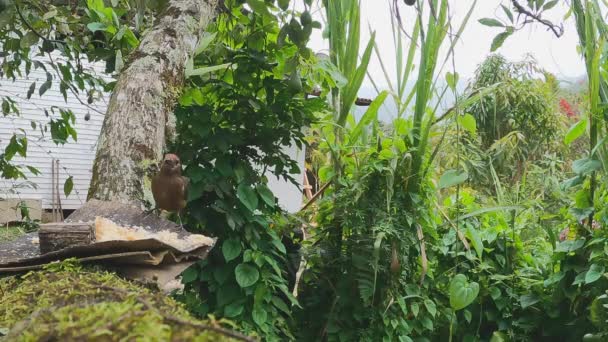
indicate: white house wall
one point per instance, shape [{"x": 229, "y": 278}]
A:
[{"x": 75, "y": 158}]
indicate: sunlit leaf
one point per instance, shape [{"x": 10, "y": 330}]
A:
[
  {"x": 469, "y": 123},
  {"x": 575, "y": 131}
]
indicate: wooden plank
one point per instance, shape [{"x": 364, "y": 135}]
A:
[{"x": 57, "y": 236}]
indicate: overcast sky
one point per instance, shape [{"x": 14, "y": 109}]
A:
[{"x": 557, "y": 55}]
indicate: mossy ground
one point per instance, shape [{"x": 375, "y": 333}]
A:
[{"x": 67, "y": 302}]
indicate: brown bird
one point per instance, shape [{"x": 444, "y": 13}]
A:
[{"x": 169, "y": 187}]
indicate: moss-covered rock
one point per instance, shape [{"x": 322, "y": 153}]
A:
[{"x": 69, "y": 302}]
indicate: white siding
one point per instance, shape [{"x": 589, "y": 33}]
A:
[
  {"x": 75, "y": 158},
  {"x": 289, "y": 195}
]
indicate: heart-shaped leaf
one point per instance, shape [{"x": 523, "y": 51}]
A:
[
  {"x": 246, "y": 275},
  {"x": 462, "y": 292}
]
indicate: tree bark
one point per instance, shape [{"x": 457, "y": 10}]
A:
[{"x": 140, "y": 116}]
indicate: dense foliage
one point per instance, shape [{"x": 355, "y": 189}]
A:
[{"x": 233, "y": 126}]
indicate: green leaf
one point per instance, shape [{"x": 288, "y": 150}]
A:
[
  {"x": 528, "y": 300},
  {"x": 499, "y": 336},
  {"x": 266, "y": 195},
  {"x": 44, "y": 87},
  {"x": 430, "y": 307},
  {"x": 258, "y": 6},
  {"x": 370, "y": 116},
  {"x": 247, "y": 196},
  {"x": 30, "y": 91},
  {"x": 468, "y": 316},
  {"x": 233, "y": 309},
  {"x": 231, "y": 249},
  {"x": 278, "y": 245},
  {"x": 476, "y": 241},
  {"x": 491, "y": 22},
  {"x": 204, "y": 43},
  {"x": 415, "y": 309},
  {"x": 452, "y": 178},
  {"x": 68, "y": 186},
  {"x": 586, "y": 166},
  {"x": 33, "y": 170},
  {"x": 500, "y": 39},
  {"x": 259, "y": 315},
  {"x": 569, "y": 245},
  {"x": 575, "y": 131},
  {"x": 6, "y": 107},
  {"x": 462, "y": 292},
  {"x": 469, "y": 123},
  {"x": 594, "y": 273},
  {"x": 452, "y": 79},
  {"x": 338, "y": 78},
  {"x": 495, "y": 293},
  {"x": 280, "y": 304},
  {"x": 246, "y": 274},
  {"x": 507, "y": 12},
  {"x": 571, "y": 182},
  {"x": 427, "y": 323},
  {"x": 28, "y": 40},
  {"x": 549, "y": 5},
  {"x": 189, "y": 275},
  {"x": 355, "y": 80},
  {"x": 96, "y": 26},
  {"x": 50, "y": 14},
  {"x": 206, "y": 70},
  {"x": 554, "y": 278},
  {"x": 580, "y": 278}
]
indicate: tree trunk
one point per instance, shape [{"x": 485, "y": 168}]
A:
[{"x": 140, "y": 116}]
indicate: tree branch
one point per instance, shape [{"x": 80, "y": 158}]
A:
[
  {"x": 27, "y": 24},
  {"x": 557, "y": 30}
]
